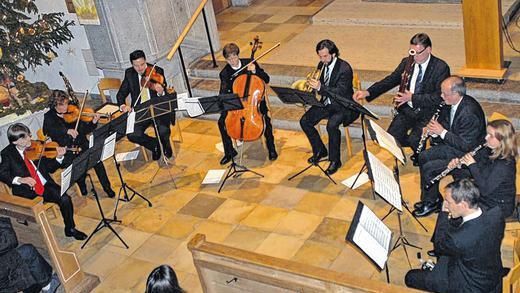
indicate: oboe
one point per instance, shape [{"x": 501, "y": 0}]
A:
[
  {"x": 448, "y": 169},
  {"x": 426, "y": 134}
]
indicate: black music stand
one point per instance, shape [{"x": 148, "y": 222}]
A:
[{"x": 294, "y": 96}]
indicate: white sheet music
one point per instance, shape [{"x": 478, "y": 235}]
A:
[
  {"x": 130, "y": 122},
  {"x": 362, "y": 179},
  {"x": 128, "y": 156},
  {"x": 387, "y": 141},
  {"x": 65, "y": 179},
  {"x": 214, "y": 176},
  {"x": 189, "y": 104},
  {"x": 373, "y": 237},
  {"x": 109, "y": 147},
  {"x": 384, "y": 182}
]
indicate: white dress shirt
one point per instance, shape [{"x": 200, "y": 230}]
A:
[
  {"x": 413, "y": 81},
  {"x": 16, "y": 180},
  {"x": 329, "y": 69},
  {"x": 452, "y": 117}
]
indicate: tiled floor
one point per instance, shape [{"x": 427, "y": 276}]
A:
[{"x": 304, "y": 220}]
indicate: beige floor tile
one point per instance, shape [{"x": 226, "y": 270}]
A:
[
  {"x": 353, "y": 261},
  {"x": 135, "y": 272},
  {"x": 264, "y": 217},
  {"x": 182, "y": 258},
  {"x": 344, "y": 209},
  {"x": 318, "y": 204},
  {"x": 317, "y": 254},
  {"x": 331, "y": 231},
  {"x": 214, "y": 231},
  {"x": 246, "y": 238},
  {"x": 192, "y": 284},
  {"x": 103, "y": 263},
  {"x": 232, "y": 211},
  {"x": 174, "y": 201},
  {"x": 284, "y": 197},
  {"x": 151, "y": 220},
  {"x": 202, "y": 205},
  {"x": 179, "y": 226},
  {"x": 156, "y": 249},
  {"x": 250, "y": 191},
  {"x": 281, "y": 246},
  {"x": 132, "y": 237},
  {"x": 298, "y": 224}
]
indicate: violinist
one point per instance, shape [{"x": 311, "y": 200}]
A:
[
  {"x": 65, "y": 134},
  {"x": 135, "y": 80},
  {"x": 336, "y": 77},
  {"x": 29, "y": 179},
  {"x": 234, "y": 63}
]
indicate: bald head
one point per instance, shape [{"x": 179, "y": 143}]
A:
[{"x": 453, "y": 89}]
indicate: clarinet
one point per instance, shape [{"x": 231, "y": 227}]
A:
[
  {"x": 448, "y": 169},
  {"x": 425, "y": 135}
]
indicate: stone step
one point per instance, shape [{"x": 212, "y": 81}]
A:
[{"x": 508, "y": 92}]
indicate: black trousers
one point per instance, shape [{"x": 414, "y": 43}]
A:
[
  {"x": 406, "y": 130},
  {"x": 268, "y": 131},
  {"x": 51, "y": 193},
  {"x": 433, "y": 281},
  {"x": 337, "y": 115},
  {"x": 99, "y": 168},
  {"x": 431, "y": 163},
  {"x": 39, "y": 268},
  {"x": 140, "y": 137}
]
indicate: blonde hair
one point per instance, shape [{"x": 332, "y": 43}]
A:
[{"x": 505, "y": 133}]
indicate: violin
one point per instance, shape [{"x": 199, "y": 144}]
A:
[
  {"x": 40, "y": 149},
  {"x": 87, "y": 115},
  {"x": 151, "y": 77}
]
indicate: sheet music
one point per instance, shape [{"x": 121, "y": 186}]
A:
[
  {"x": 130, "y": 122},
  {"x": 108, "y": 109},
  {"x": 373, "y": 237},
  {"x": 65, "y": 179},
  {"x": 214, "y": 176},
  {"x": 384, "y": 182},
  {"x": 91, "y": 141},
  {"x": 362, "y": 179},
  {"x": 181, "y": 101},
  {"x": 109, "y": 147},
  {"x": 387, "y": 141},
  {"x": 128, "y": 156}
]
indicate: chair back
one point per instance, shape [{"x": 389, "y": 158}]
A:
[{"x": 108, "y": 83}]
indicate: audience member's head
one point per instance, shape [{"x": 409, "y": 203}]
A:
[{"x": 163, "y": 280}]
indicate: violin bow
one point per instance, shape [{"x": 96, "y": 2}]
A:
[
  {"x": 257, "y": 58},
  {"x": 144, "y": 85},
  {"x": 81, "y": 109}
]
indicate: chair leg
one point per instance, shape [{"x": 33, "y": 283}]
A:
[
  {"x": 178, "y": 126},
  {"x": 145, "y": 154},
  {"x": 349, "y": 142}
]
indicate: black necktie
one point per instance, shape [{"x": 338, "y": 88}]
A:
[
  {"x": 327, "y": 76},
  {"x": 418, "y": 81}
]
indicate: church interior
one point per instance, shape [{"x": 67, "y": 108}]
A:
[{"x": 273, "y": 229}]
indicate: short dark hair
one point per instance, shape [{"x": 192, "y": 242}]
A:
[
  {"x": 464, "y": 190},
  {"x": 230, "y": 49},
  {"x": 136, "y": 55},
  {"x": 457, "y": 85},
  {"x": 421, "y": 39},
  {"x": 329, "y": 45},
  {"x": 57, "y": 97},
  {"x": 17, "y": 131},
  {"x": 163, "y": 280}
]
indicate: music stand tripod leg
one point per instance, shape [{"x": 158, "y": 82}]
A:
[{"x": 232, "y": 171}]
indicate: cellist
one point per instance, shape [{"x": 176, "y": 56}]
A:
[{"x": 234, "y": 63}]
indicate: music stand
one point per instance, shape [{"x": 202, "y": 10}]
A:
[{"x": 294, "y": 96}]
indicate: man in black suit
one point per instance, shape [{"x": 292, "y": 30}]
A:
[
  {"x": 132, "y": 85},
  {"x": 334, "y": 84},
  {"x": 234, "y": 63},
  {"x": 469, "y": 253},
  {"x": 30, "y": 179},
  {"x": 423, "y": 95},
  {"x": 459, "y": 129}
]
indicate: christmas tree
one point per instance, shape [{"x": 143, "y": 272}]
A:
[{"x": 28, "y": 39}]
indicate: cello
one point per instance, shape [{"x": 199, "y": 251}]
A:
[{"x": 247, "y": 124}]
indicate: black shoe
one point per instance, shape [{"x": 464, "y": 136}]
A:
[
  {"x": 110, "y": 193},
  {"x": 273, "y": 155},
  {"x": 432, "y": 253},
  {"x": 54, "y": 284},
  {"x": 168, "y": 152},
  {"x": 333, "y": 167},
  {"x": 77, "y": 234},
  {"x": 415, "y": 159},
  {"x": 83, "y": 190},
  {"x": 317, "y": 157},
  {"x": 156, "y": 153},
  {"x": 418, "y": 205},
  {"x": 227, "y": 158},
  {"x": 428, "y": 208}
]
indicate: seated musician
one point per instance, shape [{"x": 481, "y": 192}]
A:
[
  {"x": 461, "y": 127},
  {"x": 30, "y": 179},
  {"x": 468, "y": 253},
  {"x": 234, "y": 63},
  {"x": 133, "y": 84},
  {"x": 419, "y": 99},
  {"x": 65, "y": 134},
  {"x": 494, "y": 168},
  {"x": 336, "y": 77}
]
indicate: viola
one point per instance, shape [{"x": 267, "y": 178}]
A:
[
  {"x": 247, "y": 124},
  {"x": 87, "y": 115},
  {"x": 151, "y": 77},
  {"x": 40, "y": 149}
]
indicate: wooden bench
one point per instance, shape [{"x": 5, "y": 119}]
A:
[{"x": 31, "y": 225}]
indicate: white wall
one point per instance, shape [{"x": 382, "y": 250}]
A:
[{"x": 70, "y": 58}]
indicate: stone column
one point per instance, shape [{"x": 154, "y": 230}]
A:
[{"x": 152, "y": 26}]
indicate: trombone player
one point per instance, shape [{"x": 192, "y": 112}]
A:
[{"x": 336, "y": 77}]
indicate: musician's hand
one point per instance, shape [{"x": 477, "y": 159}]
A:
[
  {"x": 27, "y": 180},
  {"x": 73, "y": 133},
  {"x": 360, "y": 95},
  {"x": 445, "y": 207},
  {"x": 468, "y": 160},
  {"x": 453, "y": 163},
  {"x": 435, "y": 127},
  {"x": 251, "y": 67},
  {"x": 96, "y": 118},
  {"x": 124, "y": 108},
  {"x": 158, "y": 88},
  {"x": 314, "y": 84},
  {"x": 402, "y": 98}
]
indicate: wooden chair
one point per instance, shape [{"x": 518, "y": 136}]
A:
[
  {"x": 509, "y": 282},
  {"x": 356, "y": 84}
]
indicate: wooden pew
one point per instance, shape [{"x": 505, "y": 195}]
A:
[
  {"x": 226, "y": 269},
  {"x": 32, "y": 226}
]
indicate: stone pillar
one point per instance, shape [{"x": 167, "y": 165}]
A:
[{"x": 152, "y": 26}]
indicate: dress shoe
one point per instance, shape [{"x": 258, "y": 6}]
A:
[
  {"x": 428, "y": 208},
  {"x": 317, "y": 157},
  {"x": 227, "y": 158},
  {"x": 77, "y": 234},
  {"x": 273, "y": 155},
  {"x": 83, "y": 190},
  {"x": 168, "y": 152},
  {"x": 418, "y": 205},
  {"x": 110, "y": 193},
  {"x": 432, "y": 253},
  {"x": 156, "y": 153},
  {"x": 53, "y": 285},
  {"x": 333, "y": 168}
]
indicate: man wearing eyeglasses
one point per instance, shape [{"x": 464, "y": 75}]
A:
[{"x": 419, "y": 101}]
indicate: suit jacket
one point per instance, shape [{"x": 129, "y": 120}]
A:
[
  {"x": 473, "y": 251},
  {"x": 13, "y": 165},
  {"x": 56, "y": 128},
  {"x": 428, "y": 97},
  {"x": 469, "y": 125},
  {"x": 226, "y": 79}
]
